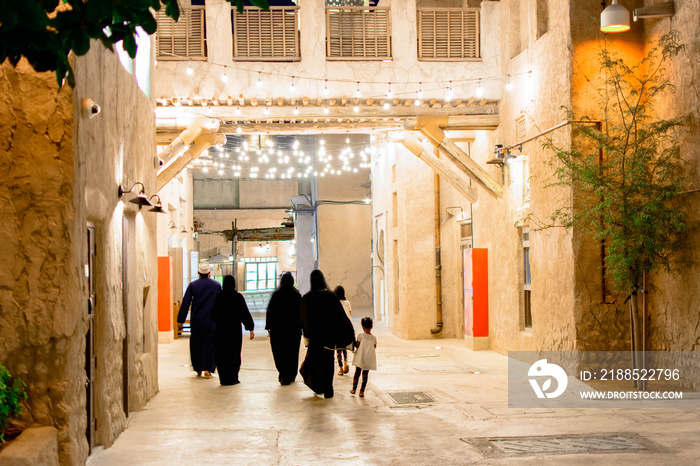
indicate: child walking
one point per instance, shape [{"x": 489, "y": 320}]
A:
[
  {"x": 342, "y": 354},
  {"x": 365, "y": 355}
]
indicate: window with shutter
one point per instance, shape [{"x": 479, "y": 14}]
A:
[
  {"x": 448, "y": 34},
  {"x": 184, "y": 39},
  {"x": 358, "y": 33},
  {"x": 271, "y": 35}
]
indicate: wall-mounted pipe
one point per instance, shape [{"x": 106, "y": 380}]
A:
[{"x": 438, "y": 259}]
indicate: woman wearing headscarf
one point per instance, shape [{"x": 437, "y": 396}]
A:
[
  {"x": 326, "y": 326},
  {"x": 285, "y": 329},
  {"x": 230, "y": 311}
]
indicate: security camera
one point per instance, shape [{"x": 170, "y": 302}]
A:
[{"x": 89, "y": 108}]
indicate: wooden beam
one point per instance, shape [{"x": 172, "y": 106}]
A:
[
  {"x": 170, "y": 170},
  {"x": 432, "y": 128},
  {"x": 261, "y": 234},
  {"x": 452, "y": 176}
]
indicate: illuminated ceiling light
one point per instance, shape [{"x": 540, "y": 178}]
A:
[
  {"x": 259, "y": 83},
  {"x": 615, "y": 18},
  {"x": 509, "y": 84},
  {"x": 479, "y": 89}
]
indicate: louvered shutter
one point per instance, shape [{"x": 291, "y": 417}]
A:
[
  {"x": 358, "y": 33},
  {"x": 184, "y": 39},
  {"x": 448, "y": 34},
  {"x": 270, "y": 35}
]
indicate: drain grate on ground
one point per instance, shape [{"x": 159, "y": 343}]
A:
[
  {"x": 562, "y": 444},
  {"x": 410, "y": 398}
]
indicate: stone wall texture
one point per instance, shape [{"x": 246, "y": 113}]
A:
[
  {"x": 60, "y": 170},
  {"x": 42, "y": 327}
]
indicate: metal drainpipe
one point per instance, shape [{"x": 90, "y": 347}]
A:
[{"x": 438, "y": 261}]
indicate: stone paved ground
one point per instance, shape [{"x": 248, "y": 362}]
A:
[{"x": 194, "y": 421}]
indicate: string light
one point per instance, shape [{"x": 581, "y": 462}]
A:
[
  {"x": 325, "y": 109},
  {"x": 325, "y": 88},
  {"x": 448, "y": 96},
  {"x": 389, "y": 94},
  {"x": 296, "y": 110},
  {"x": 387, "y": 105},
  {"x": 266, "y": 111},
  {"x": 358, "y": 94},
  {"x": 509, "y": 84},
  {"x": 356, "y": 109},
  {"x": 224, "y": 77},
  {"x": 420, "y": 91},
  {"x": 189, "y": 70},
  {"x": 238, "y": 110},
  {"x": 259, "y": 83},
  {"x": 479, "y": 90},
  {"x": 293, "y": 87}
]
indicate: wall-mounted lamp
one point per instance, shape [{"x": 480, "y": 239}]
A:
[
  {"x": 183, "y": 229},
  {"x": 660, "y": 10},
  {"x": 615, "y": 18},
  {"x": 502, "y": 155},
  {"x": 171, "y": 225},
  {"x": 158, "y": 206},
  {"x": 460, "y": 215},
  {"x": 141, "y": 200}
]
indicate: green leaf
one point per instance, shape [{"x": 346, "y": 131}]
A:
[
  {"x": 80, "y": 43},
  {"x": 172, "y": 9},
  {"x": 262, "y": 4},
  {"x": 130, "y": 45}
]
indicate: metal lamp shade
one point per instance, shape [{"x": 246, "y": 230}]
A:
[
  {"x": 615, "y": 18},
  {"x": 141, "y": 200}
]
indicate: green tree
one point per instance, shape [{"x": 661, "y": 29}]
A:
[
  {"x": 631, "y": 197},
  {"x": 47, "y": 31},
  {"x": 12, "y": 393}
]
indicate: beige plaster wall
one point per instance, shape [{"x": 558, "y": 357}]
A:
[
  {"x": 61, "y": 170},
  {"x": 674, "y": 320},
  {"x": 172, "y": 80},
  {"x": 345, "y": 232},
  {"x": 42, "y": 325},
  {"x": 118, "y": 148}
]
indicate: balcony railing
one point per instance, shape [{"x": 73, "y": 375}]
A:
[
  {"x": 184, "y": 39},
  {"x": 448, "y": 34},
  {"x": 358, "y": 33},
  {"x": 271, "y": 35}
]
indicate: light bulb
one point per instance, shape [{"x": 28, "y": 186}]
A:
[
  {"x": 224, "y": 77},
  {"x": 238, "y": 110},
  {"x": 509, "y": 84},
  {"x": 190, "y": 71},
  {"x": 239, "y": 130},
  {"x": 325, "y": 88},
  {"x": 389, "y": 94},
  {"x": 347, "y": 140},
  {"x": 357, "y": 92},
  {"x": 293, "y": 87},
  {"x": 356, "y": 109},
  {"x": 420, "y": 91},
  {"x": 387, "y": 106},
  {"x": 416, "y": 102},
  {"x": 259, "y": 83},
  {"x": 296, "y": 110},
  {"x": 266, "y": 111},
  {"x": 479, "y": 90},
  {"x": 325, "y": 110}
]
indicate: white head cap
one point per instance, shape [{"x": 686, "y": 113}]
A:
[{"x": 204, "y": 268}]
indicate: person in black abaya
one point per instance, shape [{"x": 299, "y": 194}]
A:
[
  {"x": 327, "y": 327},
  {"x": 285, "y": 329},
  {"x": 229, "y": 312}
]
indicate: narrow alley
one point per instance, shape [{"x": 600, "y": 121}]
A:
[{"x": 192, "y": 420}]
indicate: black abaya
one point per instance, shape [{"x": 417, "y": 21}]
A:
[
  {"x": 327, "y": 327},
  {"x": 230, "y": 311},
  {"x": 285, "y": 332}
]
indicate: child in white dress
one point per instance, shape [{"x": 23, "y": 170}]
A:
[
  {"x": 365, "y": 355},
  {"x": 342, "y": 354}
]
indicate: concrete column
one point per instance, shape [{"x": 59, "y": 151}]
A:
[
  {"x": 313, "y": 34},
  {"x": 305, "y": 234},
  {"x": 219, "y": 32}
]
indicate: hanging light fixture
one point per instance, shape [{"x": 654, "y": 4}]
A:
[
  {"x": 141, "y": 200},
  {"x": 158, "y": 206},
  {"x": 615, "y": 18}
]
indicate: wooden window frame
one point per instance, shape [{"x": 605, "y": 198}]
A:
[
  {"x": 275, "y": 40},
  {"x": 359, "y": 41},
  {"x": 186, "y": 13},
  {"x": 422, "y": 14}
]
